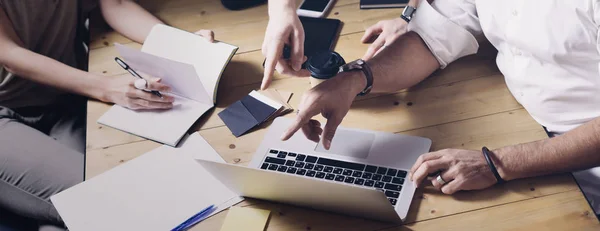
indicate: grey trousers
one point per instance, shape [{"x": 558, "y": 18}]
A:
[{"x": 41, "y": 153}]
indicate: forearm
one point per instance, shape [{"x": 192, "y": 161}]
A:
[
  {"x": 575, "y": 150},
  {"x": 402, "y": 64},
  {"x": 47, "y": 71},
  {"x": 281, "y": 6},
  {"x": 128, "y": 18}
]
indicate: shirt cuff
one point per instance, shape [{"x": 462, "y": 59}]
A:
[{"x": 445, "y": 39}]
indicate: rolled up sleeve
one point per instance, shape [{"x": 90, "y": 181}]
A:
[{"x": 448, "y": 28}]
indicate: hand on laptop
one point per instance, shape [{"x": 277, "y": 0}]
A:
[
  {"x": 121, "y": 90},
  {"x": 284, "y": 28},
  {"x": 207, "y": 34},
  {"x": 332, "y": 99},
  {"x": 384, "y": 32},
  {"x": 461, "y": 169}
]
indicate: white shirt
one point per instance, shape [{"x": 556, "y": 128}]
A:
[{"x": 548, "y": 50}]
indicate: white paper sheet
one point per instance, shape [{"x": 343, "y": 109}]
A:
[
  {"x": 156, "y": 191},
  {"x": 181, "y": 77},
  {"x": 209, "y": 59},
  {"x": 164, "y": 126}
]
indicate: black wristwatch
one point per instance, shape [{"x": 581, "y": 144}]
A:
[
  {"x": 360, "y": 64},
  {"x": 407, "y": 13}
]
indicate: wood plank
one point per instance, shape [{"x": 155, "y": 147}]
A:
[
  {"x": 494, "y": 131},
  {"x": 252, "y": 23},
  {"x": 465, "y": 106},
  {"x": 418, "y": 108},
  {"x": 101, "y": 160},
  {"x": 562, "y": 211},
  {"x": 456, "y": 101},
  {"x": 244, "y": 74},
  {"x": 502, "y": 129},
  {"x": 497, "y": 130},
  {"x": 534, "y": 212},
  {"x": 427, "y": 204},
  {"x": 247, "y": 68}
]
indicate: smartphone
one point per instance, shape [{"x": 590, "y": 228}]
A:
[{"x": 315, "y": 8}]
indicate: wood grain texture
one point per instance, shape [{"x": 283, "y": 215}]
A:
[
  {"x": 561, "y": 211},
  {"x": 466, "y": 105},
  {"x": 244, "y": 74},
  {"x": 401, "y": 111},
  {"x": 210, "y": 14}
]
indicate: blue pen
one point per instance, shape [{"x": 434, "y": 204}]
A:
[
  {"x": 199, "y": 218},
  {"x": 195, "y": 219}
]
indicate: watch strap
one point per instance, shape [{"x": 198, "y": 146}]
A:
[
  {"x": 368, "y": 75},
  {"x": 407, "y": 13},
  {"x": 361, "y": 65}
]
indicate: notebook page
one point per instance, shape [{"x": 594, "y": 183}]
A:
[
  {"x": 181, "y": 77},
  {"x": 163, "y": 126},
  {"x": 209, "y": 59},
  {"x": 156, "y": 191}
]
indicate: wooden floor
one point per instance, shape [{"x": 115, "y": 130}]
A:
[{"x": 466, "y": 105}]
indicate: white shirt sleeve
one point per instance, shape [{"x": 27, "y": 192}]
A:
[
  {"x": 596, "y": 8},
  {"x": 448, "y": 28}
]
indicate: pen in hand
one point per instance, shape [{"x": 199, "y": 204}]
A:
[{"x": 132, "y": 72}]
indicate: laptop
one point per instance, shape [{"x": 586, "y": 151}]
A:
[{"x": 363, "y": 174}]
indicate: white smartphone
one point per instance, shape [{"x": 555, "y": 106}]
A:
[{"x": 315, "y": 8}]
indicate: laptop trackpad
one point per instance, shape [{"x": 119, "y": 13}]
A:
[{"x": 349, "y": 143}]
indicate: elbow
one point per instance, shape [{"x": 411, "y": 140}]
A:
[
  {"x": 107, "y": 7},
  {"x": 7, "y": 58}
]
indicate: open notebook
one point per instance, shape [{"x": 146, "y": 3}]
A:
[{"x": 191, "y": 65}]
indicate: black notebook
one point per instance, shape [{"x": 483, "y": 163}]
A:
[{"x": 377, "y": 4}]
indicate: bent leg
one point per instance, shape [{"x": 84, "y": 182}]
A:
[{"x": 33, "y": 167}]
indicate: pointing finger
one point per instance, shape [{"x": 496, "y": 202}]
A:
[
  {"x": 330, "y": 127},
  {"x": 273, "y": 55}
]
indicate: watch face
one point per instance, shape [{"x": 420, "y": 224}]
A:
[{"x": 408, "y": 11}]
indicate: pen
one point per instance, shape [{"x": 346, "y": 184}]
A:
[
  {"x": 195, "y": 219},
  {"x": 132, "y": 72}
]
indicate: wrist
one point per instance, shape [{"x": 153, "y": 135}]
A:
[
  {"x": 282, "y": 8},
  {"x": 357, "y": 81},
  {"x": 499, "y": 159},
  {"x": 99, "y": 88}
]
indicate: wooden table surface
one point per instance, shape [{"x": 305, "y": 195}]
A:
[{"x": 466, "y": 105}]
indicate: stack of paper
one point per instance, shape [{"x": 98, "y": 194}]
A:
[
  {"x": 156, "y": 191},
  {"x": 282, "y": 97},
  {"x": 253, "y": 110}
]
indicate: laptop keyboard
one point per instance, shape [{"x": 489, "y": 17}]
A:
[{"x": 387, "y": 180}]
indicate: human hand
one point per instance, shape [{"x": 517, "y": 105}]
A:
[
  {"x": 283, "y": 28},
  {"x": 386, "y": 31},
  {"x": 122, "y": 91},
  {"x": 332, "y": 98},
  {"x": 461, "y": 169},
  {"x": 207, "y": 34}
]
